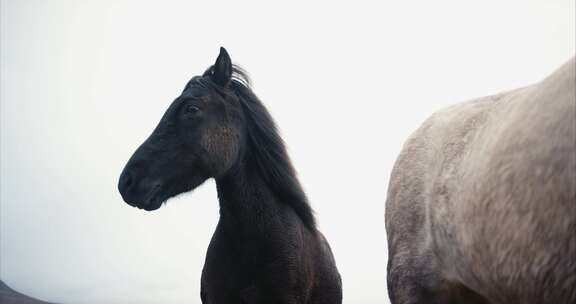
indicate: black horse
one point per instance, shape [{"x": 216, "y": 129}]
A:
[{"x": 266, "y": 248}]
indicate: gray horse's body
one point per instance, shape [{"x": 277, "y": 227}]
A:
[{"x": 481, "y": 205}]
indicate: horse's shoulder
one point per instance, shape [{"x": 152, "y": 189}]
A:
[{"x": 442, "y": 138}]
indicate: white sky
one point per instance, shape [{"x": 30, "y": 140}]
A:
[{"x": 83, "y": 83}]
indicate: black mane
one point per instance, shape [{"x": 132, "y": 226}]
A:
[{"x": 268, "y": 150}]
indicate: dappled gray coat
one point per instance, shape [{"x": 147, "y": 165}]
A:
[{"x": 481, "y": 205}]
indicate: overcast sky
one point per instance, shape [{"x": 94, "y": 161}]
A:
[{"x": 83, "y": 83}]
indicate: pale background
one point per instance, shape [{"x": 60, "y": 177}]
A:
[{"x": 84, "y": 82}]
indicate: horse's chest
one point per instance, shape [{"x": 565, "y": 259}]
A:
[{"x": 250, "y": 272}]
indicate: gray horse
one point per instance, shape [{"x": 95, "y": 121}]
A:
[{"x": 481, "y": 205}]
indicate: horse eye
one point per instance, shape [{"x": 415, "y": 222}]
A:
[{"x": 192, "y": 109}]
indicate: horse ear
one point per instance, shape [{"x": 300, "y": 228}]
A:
[{"x": 222, "y": 71}]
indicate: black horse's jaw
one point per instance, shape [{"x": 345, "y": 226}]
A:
[{"x": 159, "y": 193}]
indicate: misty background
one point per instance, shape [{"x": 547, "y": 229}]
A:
[{"x": 83, "y": 83}]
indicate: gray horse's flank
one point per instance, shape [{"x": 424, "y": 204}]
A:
[{"x": 481, "y": 204}]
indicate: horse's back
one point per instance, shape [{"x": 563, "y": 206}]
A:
[{"x": 483, "y": 196}]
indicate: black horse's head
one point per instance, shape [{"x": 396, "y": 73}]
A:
[{"x": 199, "y": 137}]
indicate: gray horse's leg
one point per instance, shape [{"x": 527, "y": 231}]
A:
[
  {"x": 411, "y": 282},
  {"x": 414, "y": 280}
]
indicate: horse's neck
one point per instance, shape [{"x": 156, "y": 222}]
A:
[{"x": 246, "y": 201}]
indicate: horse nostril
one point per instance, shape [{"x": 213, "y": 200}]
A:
[{"x": 126, "y": 180}]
